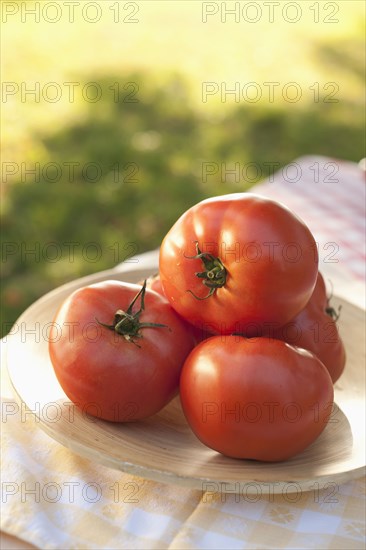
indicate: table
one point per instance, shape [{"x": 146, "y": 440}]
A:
[{"x": 53, "y": 498}]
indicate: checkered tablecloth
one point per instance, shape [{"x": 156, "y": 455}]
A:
[
  {"x": 52, "y": 498},
  {"x": 330, "y": 196}
]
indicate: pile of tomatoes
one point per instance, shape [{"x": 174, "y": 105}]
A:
[{"x": 237, "y": 322}]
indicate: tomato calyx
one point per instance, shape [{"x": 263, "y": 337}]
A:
[
  {"x": 329, "y": 310},
  {"x": 127, "y": 323},
  {"x": 214, "y": 274}
]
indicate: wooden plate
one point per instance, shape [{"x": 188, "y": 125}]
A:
[{"x": 163, "y": 448}]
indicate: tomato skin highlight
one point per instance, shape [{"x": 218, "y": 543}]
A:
[
  {"x": 315, "y": 330},
  {"x": 104, "y": 373},
  {"x": 256, "y": 398},
  {"x": 269, "y": 255}
]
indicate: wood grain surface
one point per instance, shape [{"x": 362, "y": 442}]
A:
[{"x": 163, "y": 447}]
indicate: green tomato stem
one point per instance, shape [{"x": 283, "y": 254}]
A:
[
  {"x": 214, "y": 274},
  {"x": 127, "y": 324}
]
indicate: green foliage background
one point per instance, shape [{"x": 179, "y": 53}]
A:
[{"x": 151, "y": 153}]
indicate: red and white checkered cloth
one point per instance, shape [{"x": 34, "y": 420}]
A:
[{"x": 330, "y": 196}]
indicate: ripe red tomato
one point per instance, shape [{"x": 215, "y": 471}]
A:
[
  {"x": 315, "y": 329},
  {"x": 154, "y": 283},
  {"x": 233, "y": 261},
  {"x": 117, "y": 350},
  {"x": 255, "y": 398}
]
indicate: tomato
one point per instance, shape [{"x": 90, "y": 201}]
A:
[
  {"x": 255, "y": 398},
  {"x": 117, "y": 350},
  {"x": 315, "y": 329},
  {"x": 235, "y": 260},
  {"x": 154, "y": 283}
]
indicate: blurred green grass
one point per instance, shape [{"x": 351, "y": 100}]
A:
[{"x": 150, "y": 153}]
